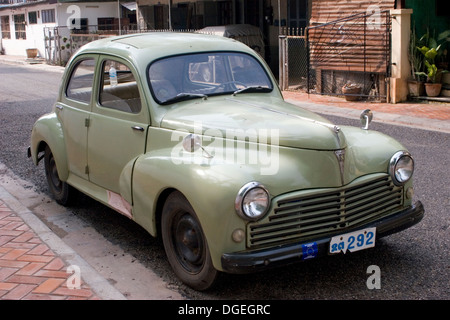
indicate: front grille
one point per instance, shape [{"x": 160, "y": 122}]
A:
[{"x": 315, "y": 213}]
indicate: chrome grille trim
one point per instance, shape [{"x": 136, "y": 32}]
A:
[{"x": 316, "y": 213}]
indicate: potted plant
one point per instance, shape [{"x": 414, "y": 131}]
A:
[
  {"x": 416, "y": 82},
  {"x": 32, "y": 53},
  {"x": 351, "y": 91},
  {"x": 433, "y": 85}
]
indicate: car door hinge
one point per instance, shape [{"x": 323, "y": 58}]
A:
[
  {"x": 86, "y": 122},
  {"x": 86, "y": 170}
]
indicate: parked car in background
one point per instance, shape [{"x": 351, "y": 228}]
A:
[
  {"x": 245, "y": 33},
  {"x": 189, "y": 136}
]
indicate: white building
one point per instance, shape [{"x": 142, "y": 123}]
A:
[{"x": 25, "y": 24}]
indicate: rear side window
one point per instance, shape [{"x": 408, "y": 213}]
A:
[{"x": 81, "y": 80}]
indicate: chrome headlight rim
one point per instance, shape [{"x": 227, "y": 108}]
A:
[
  {"x": 243, "y": 193},
  {"x": 395, "y": 160}
]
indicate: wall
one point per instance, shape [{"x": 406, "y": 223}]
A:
[
  {"x": 91, "y": 11},
  {"x": 425, "y": 17},
  {"x": 323, "y": 11}
]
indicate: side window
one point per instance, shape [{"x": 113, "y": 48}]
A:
[
  {"x": 80, "y": 83},
  {"x": 119, "y": 89}
]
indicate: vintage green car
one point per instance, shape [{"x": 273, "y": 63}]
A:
[{"x": 189, "y": 136}]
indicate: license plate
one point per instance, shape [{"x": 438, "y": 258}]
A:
[{"x": 353, "y": 241}]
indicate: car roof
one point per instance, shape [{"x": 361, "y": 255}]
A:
[{"x": 142, "y": 46}]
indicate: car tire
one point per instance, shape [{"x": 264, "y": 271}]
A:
[
  {"x": 60, "y": 190},
  {"x": 185, "y": 244}
]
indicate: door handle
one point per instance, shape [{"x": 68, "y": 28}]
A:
[
  {"x": 137, "y": 128},
  {"x": 59, "y": 107}
]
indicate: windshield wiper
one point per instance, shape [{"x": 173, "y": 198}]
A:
[
  {"x": 252, "y": 89},
  {"x": 185, "y": 96}
]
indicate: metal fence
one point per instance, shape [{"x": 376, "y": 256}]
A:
[
  {"x": 61, "y": 42},
  {"x": 348, "y": 57}
]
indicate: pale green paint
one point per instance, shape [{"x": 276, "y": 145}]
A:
[{"x": 141, "y": 168}]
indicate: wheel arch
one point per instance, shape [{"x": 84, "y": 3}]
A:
[
  {"x": 47, "y": 131},
  {"x": 162, "y": 198}
]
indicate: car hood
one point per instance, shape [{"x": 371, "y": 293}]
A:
[{"x": 273, "y": 121}]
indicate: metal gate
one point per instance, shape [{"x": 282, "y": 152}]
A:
[
  {"x": 346, "y": 57},
  {"x": 293, "y": 59}
]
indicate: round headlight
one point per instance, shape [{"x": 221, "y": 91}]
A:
[
  {"x": 401, "y": 167},
  {"x": 252, "y": 201}
]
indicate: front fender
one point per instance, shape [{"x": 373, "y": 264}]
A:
[
  {"x": 48, "y": 130},
  {"x": 211, "y": 191}
]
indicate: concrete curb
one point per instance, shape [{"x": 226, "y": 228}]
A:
[{"x": 35, "y": 64}]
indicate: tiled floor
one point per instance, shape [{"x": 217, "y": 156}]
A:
[{"x": 29, "y": 270}]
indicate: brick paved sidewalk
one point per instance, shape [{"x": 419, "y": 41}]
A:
[{"x": 29, "y": 269}]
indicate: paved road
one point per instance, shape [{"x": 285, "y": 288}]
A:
[{"x": 414, "y": 264}]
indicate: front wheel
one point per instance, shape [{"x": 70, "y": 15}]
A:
[
  {"x": 185, "y": 244},
  {"x": 60, "y": 190}
]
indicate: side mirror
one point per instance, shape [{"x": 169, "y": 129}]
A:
[
  {"x": 366, "y": 118},
  {"x": 192, "y": 143}
]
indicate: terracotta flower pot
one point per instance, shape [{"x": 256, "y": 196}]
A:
[
  {"x": 416, "y": 88},
  {"x": 353, "y": 90},
  {"x": 32, "y": 53},
  {"x": 433, "y": 89}
]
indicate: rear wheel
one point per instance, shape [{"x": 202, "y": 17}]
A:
[
  {"x": 60, "y": 190},
  {"x": 185, "y": 244}
]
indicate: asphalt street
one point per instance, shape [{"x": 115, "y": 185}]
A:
[{"x": 414, "y": 264}]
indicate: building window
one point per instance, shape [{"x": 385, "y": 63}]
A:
[
  {"x": 159, "y": 17},
  {"x": 105, "y": 23},
  {"x": 19, "y": 25},
  {"x": 32, "y": 17},
  {"x": 5, "y": 27},
  {"x": 298, "y": 13},
  {"x": 225, "y": 10},
  {"x": 48, "y": 16},
  {"x": 79, "y": 25}
]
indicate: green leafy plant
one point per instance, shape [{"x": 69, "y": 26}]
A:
[
  {"x": 414, "y": 55},
  {"x": 432, "y": 72},
  {"x": 430, "y": 52}
]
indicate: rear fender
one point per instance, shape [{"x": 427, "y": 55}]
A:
[{"x": 48, "y": 131}]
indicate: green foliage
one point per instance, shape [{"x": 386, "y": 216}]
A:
[{"x": 430, "y": 51}]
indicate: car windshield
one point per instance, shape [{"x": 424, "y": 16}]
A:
[{"x": 195, "y": 76}]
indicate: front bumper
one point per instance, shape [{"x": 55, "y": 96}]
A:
[{"x": 255, "y": 260}]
